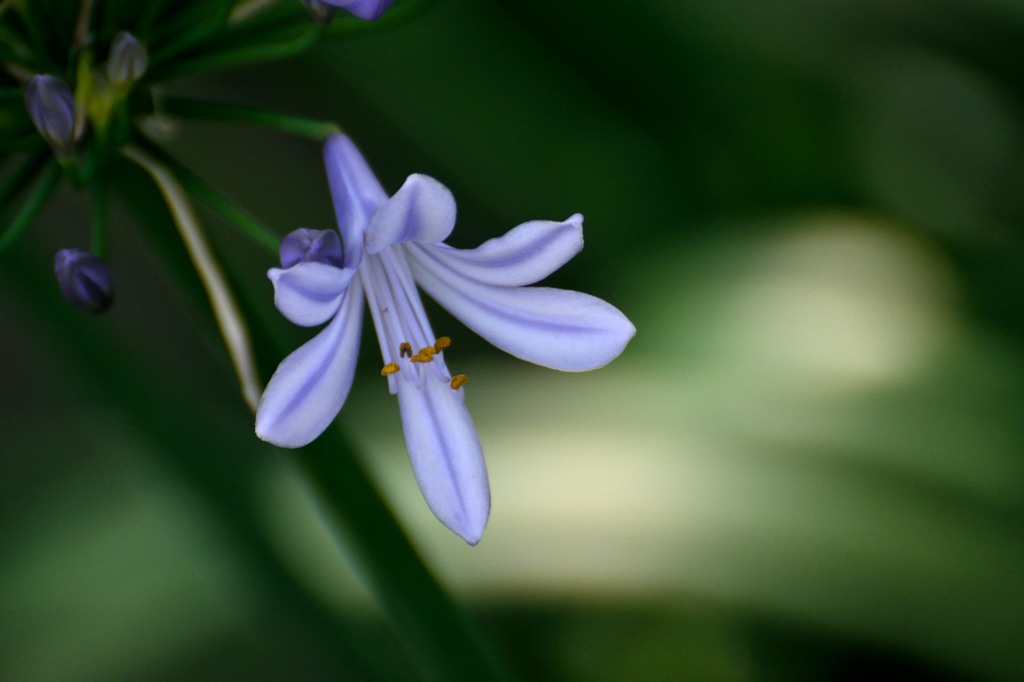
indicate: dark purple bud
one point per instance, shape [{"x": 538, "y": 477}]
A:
[
  {"x": 305, "y": 245},
  {"x": 127, "y": 60},
  {"x": 84, "y": 279},
  {"x": 319, "y": 11},
  {"x": 51, "y": 106},
  {"x": 364, "y": 9}
]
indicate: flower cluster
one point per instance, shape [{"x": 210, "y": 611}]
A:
[{"x": 72, "y": 112}]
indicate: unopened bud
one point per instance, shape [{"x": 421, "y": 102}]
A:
[
  {"x": 305, "y": 245},
  {"x": 127, "y": 60},
  {"x": 51, "y": 106},
  {"x": 319, "y": 11},
  {"x": 84, "y": 279},
  {"x": 364, "y": 9}
]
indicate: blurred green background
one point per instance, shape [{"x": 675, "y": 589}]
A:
[{"x": 807, "y": 465}]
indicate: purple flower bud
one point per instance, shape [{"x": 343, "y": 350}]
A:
[
  {"x": 364, "y": 9},
  {"x": 84, "y": 279},
  {"x": 319, "y": 11},
  {"x": 51, "y": 106},
  {"x": 127, "y": 60},
  {"x": 305, "y": 245}
]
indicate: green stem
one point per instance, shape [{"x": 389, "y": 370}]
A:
[
  {"x": 232, "y": 324},
  {"x": 227, "y": 56},
  {"x": 214, "y": 199},
  {"x": 236, "y": 113},
  {"x": 437, "y": 632},
  {"x": 32, "y": 205}
]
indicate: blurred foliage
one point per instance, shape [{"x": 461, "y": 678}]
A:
[{"x": 807, "y": 466}]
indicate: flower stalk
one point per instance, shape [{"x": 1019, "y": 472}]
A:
[
  {"x": 231, "y": 322},
  {"x": 220, "y": 112}
]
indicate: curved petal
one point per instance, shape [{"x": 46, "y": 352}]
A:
[
  {"x": 523, "y": 255},
  {"x": 445, "y": 454},
  {"x": 364, "y": 9},
  {"x": 423, "y": 210},
  {"x": 555, "y": 328},
  {"x": 310, "y": 385},
  {"x": 309, "y": 293},
  {"x": 355, "y": 191}
]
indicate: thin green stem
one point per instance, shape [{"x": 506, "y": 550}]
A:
[
  {"x": 232, "y": 324},
  {"x": 281, "y": 30},
  {"x": 210, "y": 196},
  {"x": 232, "y": 55},
  {"x": 81, "y": 34},
  {"x": 32, "y": 206},
  {"x": 437, "y": 632},
  {"x": 236, "y": 113},
  {"x": 188, "y": 29}
]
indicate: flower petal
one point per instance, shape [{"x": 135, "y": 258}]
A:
[
  {"x": 364, "y": 9},
  {"x": 422, "y": 210},
  {"x": 356, "y": 193},
  {"x": 309, "y": 293},
  {"x": 555, "y": 328},
  {"x": 445, "y": 454},
  {"x": 523, "y": 255},
  {"x": 310, "y": 385}
]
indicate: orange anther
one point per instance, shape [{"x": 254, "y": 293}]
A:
[
  {"x": 404, "y": 350},
  {"x": 425, "y": 355},
  {"x": 389, "y": 368},
  {"x": 442, "y": 343},
  {"x": 458, "y": 380}
]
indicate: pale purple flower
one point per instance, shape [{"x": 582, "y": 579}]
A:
[
  {"x": 387, "y": 247},
  {"x": 364, "y": 9}
]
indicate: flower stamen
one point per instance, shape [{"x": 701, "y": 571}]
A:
[
  {"x": 425, "y": 355},
  {"x": 457, "y": 381},
  {"x": 442, "y": 343},
  {"x": 388, "y": 369},
  {"x": 405, "y": 350}
]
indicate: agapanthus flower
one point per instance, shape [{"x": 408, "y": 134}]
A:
[
  {"x": 364, "y": 9},
  {"x": 385, "y": 247}
]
